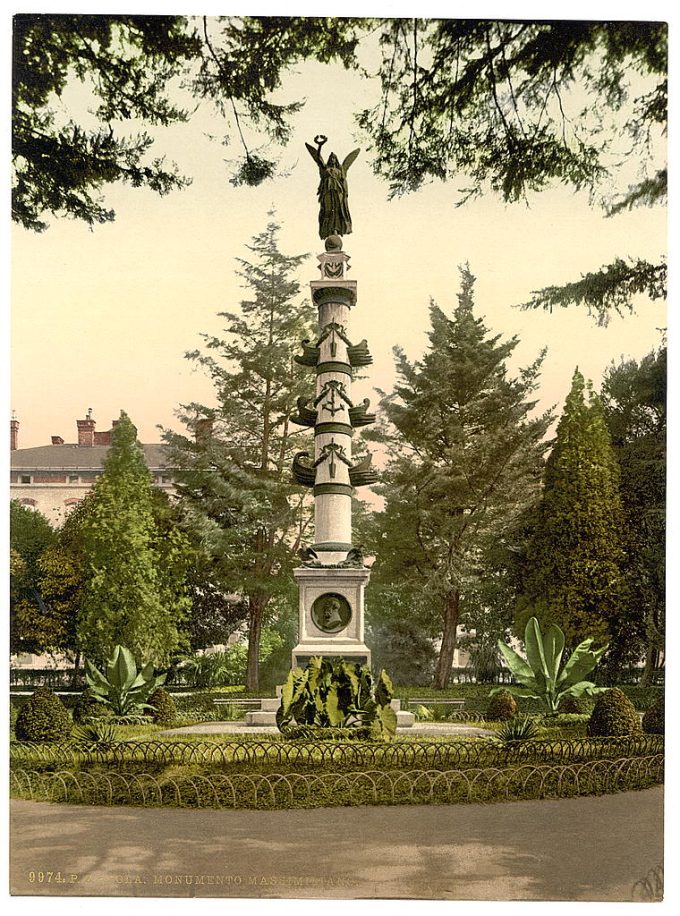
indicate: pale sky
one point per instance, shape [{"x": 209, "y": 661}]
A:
[{"x": 102, "y": 317}]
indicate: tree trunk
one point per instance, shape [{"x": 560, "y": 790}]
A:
[
  {"x": 650, "y": 666},
  {"x": 442, "y": 672},
  {"x": 256, "y": 608},
  {"x": 76, "y": 669}
]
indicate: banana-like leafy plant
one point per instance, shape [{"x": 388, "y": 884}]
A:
[
  {"x": 122, "y": 689},
  {"x": 540, "y": 672},
  {"x": 337, "y": 694}
]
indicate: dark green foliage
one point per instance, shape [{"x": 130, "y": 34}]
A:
[
  {"x": 574, "y": 705},
  {"x": 122, "y": 689},
  {"x": 96, "y": 734},
  {"x": 43, "y": 718},
  {"x": 574, "y": 562},
  {"x": 502, "y": 707},
  {"x": 464, "y": 463},
  {"x": 163, "y": 710},
  {"x": 233, "y": 472},
  {"x": 521, "y": 728},
  {"x": 86, "y": 708},
  {"x": 135, "y": 595},
  {"x": 333, "y": 693},
  {"x": 634, "y": 403},
  {"x": 613, "y": 714},
  {"x": 33, "y": 627},
  {"x": 653, "y": 719},
  {"x": 399, "y": 646},
  {"x": 610, "y": 289}
]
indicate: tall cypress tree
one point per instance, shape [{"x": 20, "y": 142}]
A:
[
  {"x": 465, "y": 461},
  {"x": 574, "y": 562},
  {"x": 234, "y": 472},
  {"x": 134, "y": 594}
]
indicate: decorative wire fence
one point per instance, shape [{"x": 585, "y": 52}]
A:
[
  {"x": 369, "y": 787},
  {"x": 483, "y": 752}
]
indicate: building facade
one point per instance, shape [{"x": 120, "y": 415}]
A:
[{"x": 53, "y": 478}]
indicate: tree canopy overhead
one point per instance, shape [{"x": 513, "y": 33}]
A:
[{"x": 510, "y": 106}]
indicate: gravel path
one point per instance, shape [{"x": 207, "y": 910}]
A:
[{"x": 558, "y": 849}]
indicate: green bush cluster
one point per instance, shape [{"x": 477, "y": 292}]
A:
[
  {"x": 163, "y": 709},
  {"x": 502, "y": 707},
  {"x": 43, "y": 717},
  {"x": 87, "y": 708},
  {"x": 575, "y": 706},
  {"x": 613, "y": 714},
  {"x": 653, "y": 719}
]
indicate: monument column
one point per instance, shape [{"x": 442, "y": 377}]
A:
[{"x": 333, "y": 575}]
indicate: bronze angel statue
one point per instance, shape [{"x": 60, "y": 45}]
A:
[{"x": 334, "y": 216}]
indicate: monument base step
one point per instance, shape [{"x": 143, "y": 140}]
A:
[{"x": 266, "y": 715}]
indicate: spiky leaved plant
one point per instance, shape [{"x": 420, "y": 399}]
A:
[
  {"x": 540, "y": 671},
  {"x": 123, "y": 689}
]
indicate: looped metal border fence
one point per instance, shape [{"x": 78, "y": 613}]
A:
[
  {"x": 324, "y": 753},
  {"x": 287, "y": 790}
]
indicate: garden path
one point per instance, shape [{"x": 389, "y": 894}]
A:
[{"x": 593, "y": 848}]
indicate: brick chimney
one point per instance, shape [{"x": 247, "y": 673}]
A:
[
  {"x": 14, "y": 433},
  {"x": 86, "y": 430},
  {"x": 57, "y": 440},
  {"x": 204, "y": 429}
]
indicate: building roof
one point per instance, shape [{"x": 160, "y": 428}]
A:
[{"x": 74, "y": 456}]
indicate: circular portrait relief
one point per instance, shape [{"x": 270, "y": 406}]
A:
[{"x": 331, "y": 612}]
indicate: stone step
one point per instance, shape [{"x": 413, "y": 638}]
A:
[{"x": 268, "y": 716}]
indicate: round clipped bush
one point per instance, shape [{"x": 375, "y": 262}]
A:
[
  {"x": 43, "y": 717},
  {"x": 502, "y": 707},
  {"x": 574, "y": 706},
  {"x": 653, "y": 719},
  {"x": 163, "y": 711},
  {"x": 613, "y": 714},
  {"x": 86, "y": 708}
]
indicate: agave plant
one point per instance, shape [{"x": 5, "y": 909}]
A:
[
  {"x": 96, "y": 735},
  {"x": 521, "y": 728},
  {"x": 540, "y": 671},
  {"x": 123, "y": 689}
]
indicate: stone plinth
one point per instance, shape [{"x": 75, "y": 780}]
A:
[{"x": 331, "y": 614}]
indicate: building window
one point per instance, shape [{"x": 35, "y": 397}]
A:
[
  {"x": 29, "y": 503},
  {"x": 73, "y": 478},
  {"x": 24, "y": 478},
  {"x": 69, "y": 503}
]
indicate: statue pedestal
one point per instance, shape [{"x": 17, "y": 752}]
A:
[{"x": 331, "y": 614}]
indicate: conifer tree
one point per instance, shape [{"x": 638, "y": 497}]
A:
[
  {"x": 234, "y": 473},
  {"x": 134, "y": 594},
  {"x": 574, "y": 561},
  {"x": 465, "y": 458}
]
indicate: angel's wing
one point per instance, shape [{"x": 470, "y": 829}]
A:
[
  {"x": 349, "y": 158},
  {"x": 315, "y": 154}
]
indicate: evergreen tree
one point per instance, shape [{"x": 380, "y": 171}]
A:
[
  {"x": 464, "y": 461},
  {"x": 634, "y": 402},
  {"x": 234, "y": 473},
  {"x": 134, "y": 594},
  {"x": 574, "y": 561}
]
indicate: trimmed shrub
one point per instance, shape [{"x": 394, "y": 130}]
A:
[
  {"x": 502, "y": 707},
  {"x": 86, "y": 708},
  {"x": 574, "y": 706},
  {"x": 43, "y": 717},
  {"x": 163, "y": 711},
  {"x": 653, "y": 719},
  {"x": 613, "y": 714}
]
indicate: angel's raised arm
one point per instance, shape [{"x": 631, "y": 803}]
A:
[{"x": 316, "y": 155}]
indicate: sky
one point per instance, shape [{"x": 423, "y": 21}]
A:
[{"x": 102, "y": 318}]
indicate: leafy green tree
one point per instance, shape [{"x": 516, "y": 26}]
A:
[
  {"x": 634, "y": 403},
  {"x": 465, "y": 457},
  {"x": 575, "y": 559},
  {"x": 30, "y": 535},
  {"x": 234, "y": 473},
  {"x": 135, "y": 594}
]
